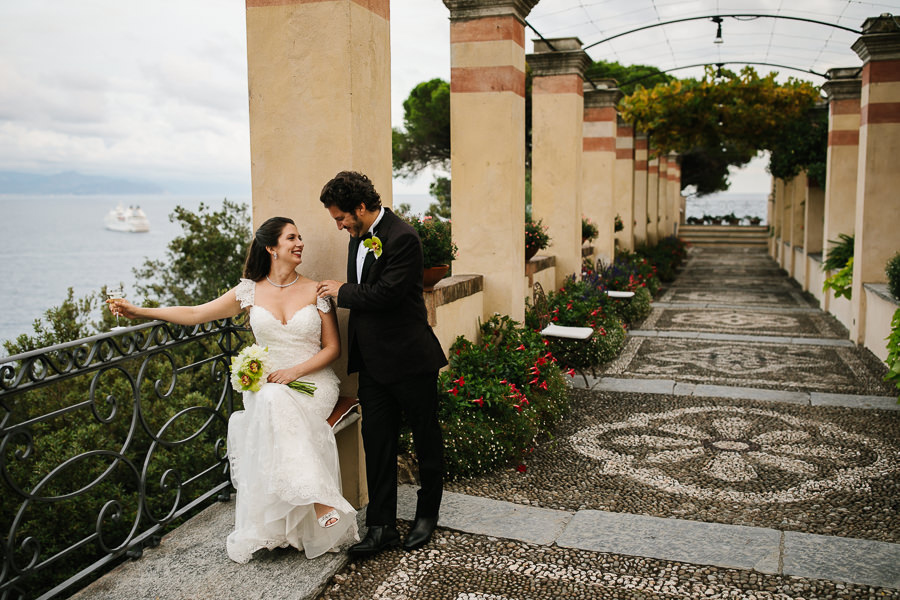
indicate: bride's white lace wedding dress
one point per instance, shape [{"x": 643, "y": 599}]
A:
[{"x": 281, "y": 448}]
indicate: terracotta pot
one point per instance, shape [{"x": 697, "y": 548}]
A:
[
  {"x": 431, "y": 275},
  {"x": 529, "y": 253}
]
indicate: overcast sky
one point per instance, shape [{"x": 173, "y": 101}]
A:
[{"x": 158, "y": 90}]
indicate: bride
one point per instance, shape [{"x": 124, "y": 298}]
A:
[{"x": 283, "y": 455}]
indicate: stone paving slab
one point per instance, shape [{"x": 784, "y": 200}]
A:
[
  {"x": 813, "y": 469},
  {"x": 732, "y": 296},
  {"x": 790, "y": 367},
  {"x": 191, "y": 563},
  {"x": 731, "y": 337},
  {"x": 857, "y": 561},
  {"x": 718, "y": 305},
  {"x": 693, "y": 542},
  {"x": 484, "y": 516},
  {"x": 745, "y": 322}
]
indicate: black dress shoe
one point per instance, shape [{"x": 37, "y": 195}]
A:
[
  {"x": 420, "y": 533},
  {"x": 377, "y": 539}
]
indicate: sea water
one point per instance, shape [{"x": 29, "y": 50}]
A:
[{"x": 51, "y": 243}]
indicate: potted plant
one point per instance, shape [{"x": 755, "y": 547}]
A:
[
  {"x": 755, "y": 220},
  {"x": 618, "y": 225},
  {"x": 438, "y": 249},
  {"x": 536, "y": 237},
  {"x": 589, "y": 231}
]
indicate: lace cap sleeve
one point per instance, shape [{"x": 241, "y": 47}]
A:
[
  {"x": 245, "y": 291},
  {"x": 324, "y": 304}
]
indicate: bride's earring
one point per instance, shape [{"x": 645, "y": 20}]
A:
[{"x": 276, "y": 255}]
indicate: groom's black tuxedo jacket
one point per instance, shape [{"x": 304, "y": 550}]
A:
[{"x": 388, "y": 333}]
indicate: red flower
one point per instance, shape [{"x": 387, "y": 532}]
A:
[
  {"x": 454, "y": 391},
  {"x": 571, "y": 372},
  {"x": 460, "y": 381},
  {"x": 478, "y": 401},
  {"x": 521, "y": 347},
  {"x": 544, "y": 385},
  {"x": 521, "y": 468}
]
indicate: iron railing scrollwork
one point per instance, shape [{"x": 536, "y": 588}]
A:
[{"x": 104, "y": 443}]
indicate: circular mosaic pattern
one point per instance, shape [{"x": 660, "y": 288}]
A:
[
  {"x": 735, "y": 320},
  {"x": 734, "y": 453}
]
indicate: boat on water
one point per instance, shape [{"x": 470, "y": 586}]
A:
[{"x": 131, "y": 219}]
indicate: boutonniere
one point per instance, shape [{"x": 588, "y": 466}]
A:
[{"x": 373, "y": 245}]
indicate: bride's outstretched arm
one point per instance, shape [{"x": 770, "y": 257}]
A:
[
  {"x": 222, "y": 307},
  {"x": 331, "y": 350}
]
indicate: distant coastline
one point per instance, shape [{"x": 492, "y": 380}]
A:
[{"x": 71, "y": 182}]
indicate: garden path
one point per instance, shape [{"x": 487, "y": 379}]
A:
[{"x": 739, "y": 447}]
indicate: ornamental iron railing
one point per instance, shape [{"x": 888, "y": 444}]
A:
[{"x": 105, "y": 442}]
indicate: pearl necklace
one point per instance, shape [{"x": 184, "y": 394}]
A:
[{"x": 279, "y": 285}]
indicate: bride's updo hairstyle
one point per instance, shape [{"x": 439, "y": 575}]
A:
[{"x": 258, "y": 260}]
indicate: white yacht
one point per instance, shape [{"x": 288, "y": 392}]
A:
[{"x": 131, "y": 219}]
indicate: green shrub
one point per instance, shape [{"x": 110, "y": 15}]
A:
[
  {"x": 893, "y": 347},
  {"x": 635, "y": 309},
  {"x": 667, "y": 255},
  {"x": 892, "y": 270},
  {"x": 437, "y": 242},
  {"x": 583, "y": 304},
  {"x": 497, "y": 396},
  {"x": 839, "y": 253},
  {"x": 589, "y": 231},
  {"x": 630, "y": 271},
  {"x": 841, "y": 282}
]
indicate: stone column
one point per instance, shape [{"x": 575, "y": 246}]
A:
[
  {"x": 640, "y": 189},
  {"x": 487, "y": 115},
  {"x": 599, "y": 164},
  {"x": 676, "y": 215},
  {"x": 877, "y": 236},
  {"x": 814, "y": 221},
  {"x": 308, "y": 64},
  {"x": 653, "y": 200},
  {"x": 302, "y": 134},
  {"x": 557, "y": 124},
  {"x": 777, "y": 219},
  {"x": 663, "y": 196},
  {"x": 623, "y": 196},
  {"x": 798, "y": 227}
]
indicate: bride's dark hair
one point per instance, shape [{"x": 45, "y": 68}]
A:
[{"x": 258, "y": 261}]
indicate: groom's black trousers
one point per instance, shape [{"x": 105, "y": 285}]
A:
[{"x": 382, "y": 404}]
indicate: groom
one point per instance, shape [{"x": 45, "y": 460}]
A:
[{"x": 395, "y": 352}]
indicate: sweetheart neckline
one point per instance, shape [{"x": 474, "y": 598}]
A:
[{"x": 284, "y": 323}]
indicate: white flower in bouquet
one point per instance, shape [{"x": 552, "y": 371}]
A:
[{"x": 249, "y": 371}]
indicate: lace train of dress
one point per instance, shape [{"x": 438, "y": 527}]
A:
[{"x": 282, "y": 451}]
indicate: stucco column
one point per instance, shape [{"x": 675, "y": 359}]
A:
[
  {"x": 663, "y": 196},
  {"x": 843, "y": 90},
  {"x": 814, "y": 225},
  {"x": 308, "y": 65},
  {"x": 798, "y": 213},
  {"x": 653, "y": 200},
  {"x": 487, "y": 159},
  {"x": 623, "y": 195},
  {"x": 306, "y": 122},
  {"x": 557, "y": 123},
  {"x": 676, "y": 216},
  {"x": 877, "y": 236},
  {"x": 777, "y": 220},
  {"x": 640, "y": 189},
  {"x": 599, "y": 164}
]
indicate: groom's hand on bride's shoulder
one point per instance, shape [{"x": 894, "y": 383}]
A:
[{"x": 329, "y": 287}]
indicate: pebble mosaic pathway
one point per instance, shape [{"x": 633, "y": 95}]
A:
[{"x": 650, "y": 489}]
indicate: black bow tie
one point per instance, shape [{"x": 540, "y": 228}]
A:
[{"x": 365, "y": 236}]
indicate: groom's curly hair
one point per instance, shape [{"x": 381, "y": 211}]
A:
[{"x": 347, "y": 190}]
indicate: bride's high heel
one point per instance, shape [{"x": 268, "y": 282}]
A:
[{"x": 329, "y": 519}]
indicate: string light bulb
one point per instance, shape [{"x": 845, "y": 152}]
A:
[{"x": 718, "y": 22}]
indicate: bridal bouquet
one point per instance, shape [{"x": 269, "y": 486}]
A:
[{"x": 249, "y": 372}]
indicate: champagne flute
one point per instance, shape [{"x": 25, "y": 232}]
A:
[{"x": 115, "y": 292}]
